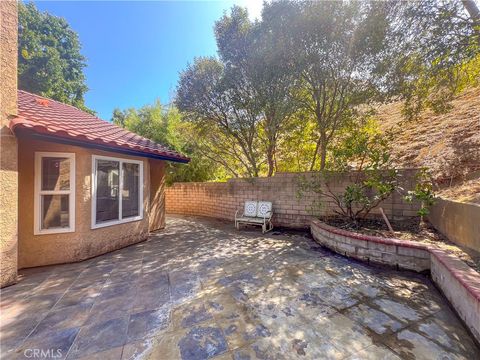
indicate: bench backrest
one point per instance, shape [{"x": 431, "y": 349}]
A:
[
  {"x": 250, "y": 208},
  {"x": 259, "y": 209},
  {"x": 264, "y": 208}
]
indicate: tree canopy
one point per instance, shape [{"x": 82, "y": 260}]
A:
[
  {"x": 284, "y": 89},
  {"x": 49, "y": 59},
  {"x": 164, "y": 124},
  {"x": 433, "y": 53}
]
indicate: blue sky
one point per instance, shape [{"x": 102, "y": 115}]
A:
[{"x": 135, "y": 50}]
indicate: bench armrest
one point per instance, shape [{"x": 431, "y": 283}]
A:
[
  {"x": 236, "y": 213},
  {"x": 268, "y": 215}
]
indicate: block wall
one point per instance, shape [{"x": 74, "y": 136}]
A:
[
  {"x": 460, "y": 222},
  {"x": 221, "y": 199}
]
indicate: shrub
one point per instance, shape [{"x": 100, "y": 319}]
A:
[
  {"x": 423, "y": 192},
  {"x": 363, "y": 154}
]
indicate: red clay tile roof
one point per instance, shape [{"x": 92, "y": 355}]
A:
[{"x": 52, "y": 118}]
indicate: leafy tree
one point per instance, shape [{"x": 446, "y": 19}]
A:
[
  {"x": 334, "y": 47},
  {"x": 249, "y": 101},
  {"x": 432, "y": 45},
  {"x": 297, "y": 144},
  {"x": 49, "y": 59},
  {"x": 253, "y": 51},
  {"x": 151, "y": 121},
  {"x": 165, "y": 126},
  {"x": 223, "y": 109},
  {"x": 364, "y": 156}
]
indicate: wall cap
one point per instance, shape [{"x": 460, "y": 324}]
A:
[
  {"x": 439, "y": 198},
  {"x": 469, "y": 278},
  {"x": 375, "y": 239}
]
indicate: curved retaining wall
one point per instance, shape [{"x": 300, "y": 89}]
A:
[{"x": 459, "y": 283}]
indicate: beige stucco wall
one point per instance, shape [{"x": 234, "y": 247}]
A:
[
  {"x": 460, "y": 222},
  {"x": 37, "y": 250},
  {"x": 8, "y": 143},
  {"x": 157, "y": 195}
]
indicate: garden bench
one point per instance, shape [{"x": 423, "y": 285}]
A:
[{"x": 256, "y": 213}]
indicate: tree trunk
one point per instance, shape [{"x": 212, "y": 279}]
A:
[
  {"x": 474, "y": 13},
  {"x": 271, "y": 159},
  {"x": 314, "y": 160},
  {"x": 255, "y": 170},
  {"x": 323, "y": 151}
]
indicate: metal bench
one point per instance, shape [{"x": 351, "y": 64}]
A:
[{"x": 256, "y": 213}]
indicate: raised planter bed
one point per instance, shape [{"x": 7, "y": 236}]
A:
[{"x": 459, "y": 283}]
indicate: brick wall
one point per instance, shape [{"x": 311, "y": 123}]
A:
[
  {"x": 404, "y": 254},
  {"x": 221, "y": 200}
]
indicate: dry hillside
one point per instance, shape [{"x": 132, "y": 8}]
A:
[{"x": 448, "y": 144}]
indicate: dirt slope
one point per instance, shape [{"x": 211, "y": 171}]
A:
[{"x": 448, "y": 144}]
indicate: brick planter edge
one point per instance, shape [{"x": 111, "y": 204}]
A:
[{"x": 459, "y": 283}]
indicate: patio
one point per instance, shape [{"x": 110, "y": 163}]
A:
[{"x": 200, "y": 289}]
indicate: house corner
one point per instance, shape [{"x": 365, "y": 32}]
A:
[{"x": 8, "y": 143}]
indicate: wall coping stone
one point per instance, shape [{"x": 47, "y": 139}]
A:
[
  {"x": 375, "y": 239},
  {"x": 277, "y": 175},
  {"x": 466, "y": 276}
]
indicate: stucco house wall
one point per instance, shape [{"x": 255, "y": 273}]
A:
[
  {"x": 157, "y": 195},
  {"x": 8, "y": 143},
  {"x": 85, "y": 242}
]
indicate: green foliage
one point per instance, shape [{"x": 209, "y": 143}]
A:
[
  {"x": 372, "y": 179},
  {"x": 334, "y": 48},
  {"x": 165, "y": 126},
  {"x": 49, "y": 59},
  {"x": 436, "y": 44},
  {"x": 422, "y": 192},
  {"x": 224, "y": 113},
  {"x": 245, "y": 95},
  {"x": 297, "y": 143}
]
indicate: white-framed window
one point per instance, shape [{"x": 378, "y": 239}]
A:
[
  {"x": 117, "y": 191},
  {"x": 54, "y": 202}
]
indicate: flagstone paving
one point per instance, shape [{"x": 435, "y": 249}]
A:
[{"x": 200, "y": 289}]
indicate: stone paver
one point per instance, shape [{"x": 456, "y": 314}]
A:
[{"x": 200, "y": 289}]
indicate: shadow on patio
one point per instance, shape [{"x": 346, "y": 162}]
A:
[{"x": 200, "y": 289}]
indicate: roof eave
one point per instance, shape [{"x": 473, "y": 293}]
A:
[{"x": 16, "y": 127}]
